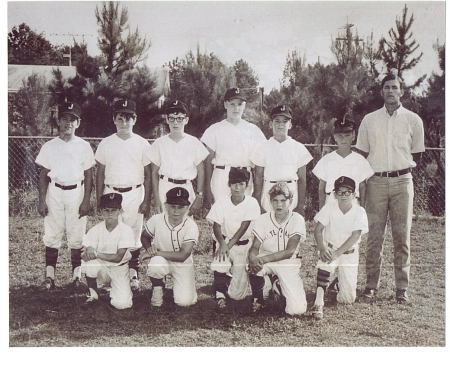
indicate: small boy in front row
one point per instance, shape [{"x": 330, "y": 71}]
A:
[
  {"x": 106, "y": 254},
  {"x": 168, "y": 240},
  {"x": 232, "y": 218},
  {"x": 338, "y": 232},
  {"x": 274, "y": 252}
]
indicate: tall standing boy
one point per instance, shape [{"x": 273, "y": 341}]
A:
[
  {"x": 65, "y": 183},
  {"x": 123, "y": 167},
  {"x": 230, "y": 144},
  {"x": 177, "y": 159},
  {"x": 281, "y": 159}
]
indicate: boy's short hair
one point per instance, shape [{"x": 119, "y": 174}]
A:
[
  {"x": 390, "y": 77},
  {"x": 280, "y": 188},
  {"x": 124, "y": 106},
  {"x": 344, "y": 181},
  {"x": 69, "y": 108},
  {"x": 344, "y": 125},
  {"x": 281, "y": 110},
  {"x": 111, "y": 200},
  {"x": 177, "y": 196},
  {"x": 233, "y": 93},
  {"x": 175, "y": 107},
  {"x": 238, "y": 175}
]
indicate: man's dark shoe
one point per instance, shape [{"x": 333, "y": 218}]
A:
[
  {"x": 370, "y": 293},
  {"x": 402, "y": 297}
]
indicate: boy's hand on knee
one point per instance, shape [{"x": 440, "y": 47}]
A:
[
  {"x": 325, "y": 254},
  {"x": 223, "y": 252},
  {"x": 255, "y": 264}
]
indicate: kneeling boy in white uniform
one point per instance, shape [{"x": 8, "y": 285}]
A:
[
  {"x": 106, "y": 254},
  {"x": 168, "y": 240},
  {"x": 232, "y": 218},
  {"x": 338, "y": 232},
  {"x": 275, "y": 249}
]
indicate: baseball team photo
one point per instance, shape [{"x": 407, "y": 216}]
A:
[{"x": 228, "y": 174}]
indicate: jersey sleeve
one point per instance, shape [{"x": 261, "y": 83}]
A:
[
  {"x": 215, "y": 214},
  {"x": 91, "y": 238},
  {"x": 89, "y": 159},
  {"x": 253, "y": 211},
  {"x": 145, "y": 149},
  {"x": 297, "y": 226},
  {"x": 365, "y": 170},
  {"x": 42, "y": 158},
  {"x": 153, "y": 153},
  {"x": 100, "y": 155},
  {"x": 200, "y": 152},
  {"x": 150, "y": 226},
  {"x": 323, "y": 216},
  {"x": 303, "y": 155},
  {"x": 191, "y": 233},
  {"x": 319, "y": 170},
  {"x": 209, "y": 138},
  {"x": 360, "y": 222},
  {"x": 257, "y": 157},
  {"x": 126, "y": 239},
  {"x": 259, "y": 227}
]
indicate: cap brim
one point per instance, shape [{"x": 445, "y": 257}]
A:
[
  {"x": 125, "y": 111},
  {"x": 344, "y": 130},
  {"x": 69, "y": 112},
  {"x": 345, "y": 186},
  {"x": 282, "y": 114},
  {"x": 235, "y": 97},
  {"x": 178, "y": 201}
]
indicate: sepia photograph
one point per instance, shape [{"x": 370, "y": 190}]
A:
[{"x": 227, "y": 174}]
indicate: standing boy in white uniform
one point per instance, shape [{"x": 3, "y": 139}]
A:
[
  {"x": 106, "y": 254},
  {"x": 274, "y": 252},
  {"x": 281, "y": 159},
  {"x": 169, "y": 240},
  {"x": 342, "y": 162},
  {"x": 65, "y": 183},
  {"x": 230, "y": 144},
  {"x": 232, "y": 218},
  {"x": 338, "y": 232},
  {"x": 177, "y": 159},
  {"x": 123, "y": 167}
]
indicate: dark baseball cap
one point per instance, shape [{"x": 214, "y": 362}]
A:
[
  {"x": 344, "y": 181},
  {"x": 124, "y": 106},
  {"x": 70, "y": 108},
  {"x": 111, "y": 200},
  {"x": 344, "y": 125},
  {"x": 177, "y": 107},
  {"x": 178, "y": 196},
  {"x": 233, "y": 93},
  {"x": 281, "y": 110},
  {"x": 238, "y": 175}
]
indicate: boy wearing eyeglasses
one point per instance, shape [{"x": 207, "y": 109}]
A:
[
  {"x": 177, "y": 159},
  {"x": 124, "y": 167},
  {"x": 337, "y": 234}
]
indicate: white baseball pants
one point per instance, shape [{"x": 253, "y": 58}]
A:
[
  {"x": 63, "y": 206},
  {"x": 121, "y": 294},
  {"x": 348, "y": 275},
  {"x": 236, "y": 265},
  {"x": 288, "y": 272},
  {"x": 183, "y": 277}
]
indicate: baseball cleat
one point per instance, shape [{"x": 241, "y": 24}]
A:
[
  {"x": 91, "y": 298},
  {"x": 157, "y": 296},
  {"x": 370, "y": 293},
  {"x": 276, "y": 288},
  {"x": 78, "y": 286},
  {"x": 48, "y": 284},
  {"x": 402, "y": 297},
  {"x": 134, "y": 283},
  {"x": 317, "y": 312},
  {"x": 222, "y": 303},
  {"x": 257, "y": 306}
]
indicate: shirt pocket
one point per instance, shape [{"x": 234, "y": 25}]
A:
[{"x": 402, "y": 138}]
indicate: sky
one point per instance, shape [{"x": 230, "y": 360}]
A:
[{"x": 260, "y": 32}]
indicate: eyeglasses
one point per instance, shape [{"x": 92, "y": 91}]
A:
[
  {"x": 342, "y": 193},
  {"x": 178, "y": 119}
]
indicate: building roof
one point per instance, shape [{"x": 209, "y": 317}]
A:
[{"x": 18, "y": 73}]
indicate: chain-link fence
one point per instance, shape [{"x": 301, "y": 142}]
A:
[{"x": 23, "y": 176}]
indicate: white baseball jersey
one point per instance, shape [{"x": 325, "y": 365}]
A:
[
  {"x": 106, "y": 242},
  {"x": 339, "y": 226},
  {"x": 273, "y": 235},
  {"x": 124, "y": 160},
  {"x": 233, "y": 144},
  {"x": 66, "y": 161},
  {"x": 178, "y": 160},
  {"x": 281, "y": 161},
  {"x": 230, "y": 216},
  {"x": 332, "y": 166},
  {"x": 169, "y": 238}
]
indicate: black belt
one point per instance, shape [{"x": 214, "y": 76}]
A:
[
  {"x": 239, "y": 243},
  {"x": 123, "y": 190},
  {"x": 393, "y": 173},
  {"x": 68, "y": 187},
  {"x": 236, "y": 168},
  {"x": 288, "y": 182},
  {"x": 174, "y": 181},
  {"x": 349, "y": 251}
]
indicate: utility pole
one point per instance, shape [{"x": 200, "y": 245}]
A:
[
  {"x": 70, "y": 44},
  {"x": 348, "y": 39}
]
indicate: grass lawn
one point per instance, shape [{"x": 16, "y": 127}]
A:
[{"x": 59, "y": 318}]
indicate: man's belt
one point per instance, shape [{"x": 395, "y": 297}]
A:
[
  {"x": 124, "y": 190},
  {"x": 239, "y": 243},
  {"x": 174, "y": 181},
  {"x": 68, "y": 187},
  {"x": 274, "y": 182},
  {"x": 393, "y": 173},
  {"x": 230, "y": 167},
  {"x": 349, "y": 251}
]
